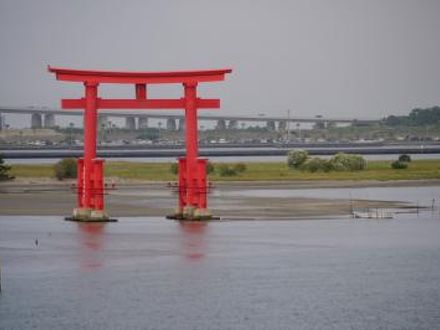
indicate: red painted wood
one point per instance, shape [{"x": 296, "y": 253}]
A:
[
  {"x": 202, "y": 184},
  {"x": 98, "y": 184},
  {"x": 182, "y": 183},
  {"x": 90, "y": 128},
  {"x": 191, "y": 140},
  {"x": 141, "y": 91},
  {"x": 151, "y": 104},
  {"x": 80, "y": 182},
  {"x": 121, "y": 77}
]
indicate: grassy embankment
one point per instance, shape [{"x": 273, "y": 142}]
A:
[{"x": 377, "y": 170}]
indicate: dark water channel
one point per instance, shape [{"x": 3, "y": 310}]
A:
[{"x": 151, "y": 273}]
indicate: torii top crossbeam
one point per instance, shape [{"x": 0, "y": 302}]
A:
[{"x": 120, "y": 77}]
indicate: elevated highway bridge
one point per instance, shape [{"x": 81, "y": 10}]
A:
[{"x": 45, "y": 118}]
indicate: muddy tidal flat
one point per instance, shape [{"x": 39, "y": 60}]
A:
[{"x": 232, "y": 200}]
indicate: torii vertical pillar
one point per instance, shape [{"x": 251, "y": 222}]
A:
[
  {"x": 192, "y": 171},
  {"x": 191, "y": 142},
  {"x": 90, "y": 170}
]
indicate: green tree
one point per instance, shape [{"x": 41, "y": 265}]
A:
[
  {"x": 317, "y": 165},
  {"x": 4, "y": 170},
  {"x": 417, "y": 117},
  {"x": 345, "y": 162},
  {"x": 398, "y": 165},
  {"x": 296, "y": 158},
  {"x": 65, "y": 169}
]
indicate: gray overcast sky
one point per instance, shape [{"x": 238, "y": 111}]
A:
[{"x": 335, "y": 58}]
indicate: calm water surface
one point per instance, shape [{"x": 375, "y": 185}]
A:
[{"x": 150, "y": 273}]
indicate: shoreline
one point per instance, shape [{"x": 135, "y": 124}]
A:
[{"x": 135, "y": 198}]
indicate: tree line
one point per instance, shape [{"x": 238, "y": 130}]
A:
[{"x": 417, "y": 117}]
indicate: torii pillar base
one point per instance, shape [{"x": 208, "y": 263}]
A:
[
  {"x": 192, "y": 214},
  {"x": 89, "y": 215},
  {"x": 90, "y": 193},
  {"x": 192, "y": 189}
]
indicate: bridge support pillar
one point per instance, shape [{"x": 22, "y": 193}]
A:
[
  {"x": 221, "y": 125},
  {"x": 233, "y": 124},
  {"x": 270, "y": 125},
  {"x": 282, "y": 125},
  {"x": 36, "y": 121},
  {"x": 49, "y": 120},
  {"x": 130, "y": 122},
  {"x": 103, "y": 121},
  {"x": 171, "y": 124},
  {"x": 181, "y": 126},
  {"x": 142, "y": 122}
]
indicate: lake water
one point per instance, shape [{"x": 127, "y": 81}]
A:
[{"x": 151, "y": 273}]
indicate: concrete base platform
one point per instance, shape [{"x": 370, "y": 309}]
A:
[
  {"x": 89, "y": 215},
  {"x": 192, "y": 214}
]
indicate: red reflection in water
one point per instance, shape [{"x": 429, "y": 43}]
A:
[
  {"x": 91, "y": 239},
  {"x": 194, "y": 245}
]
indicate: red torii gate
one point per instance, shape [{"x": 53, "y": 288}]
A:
[{"x": 192, "y": 170}]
